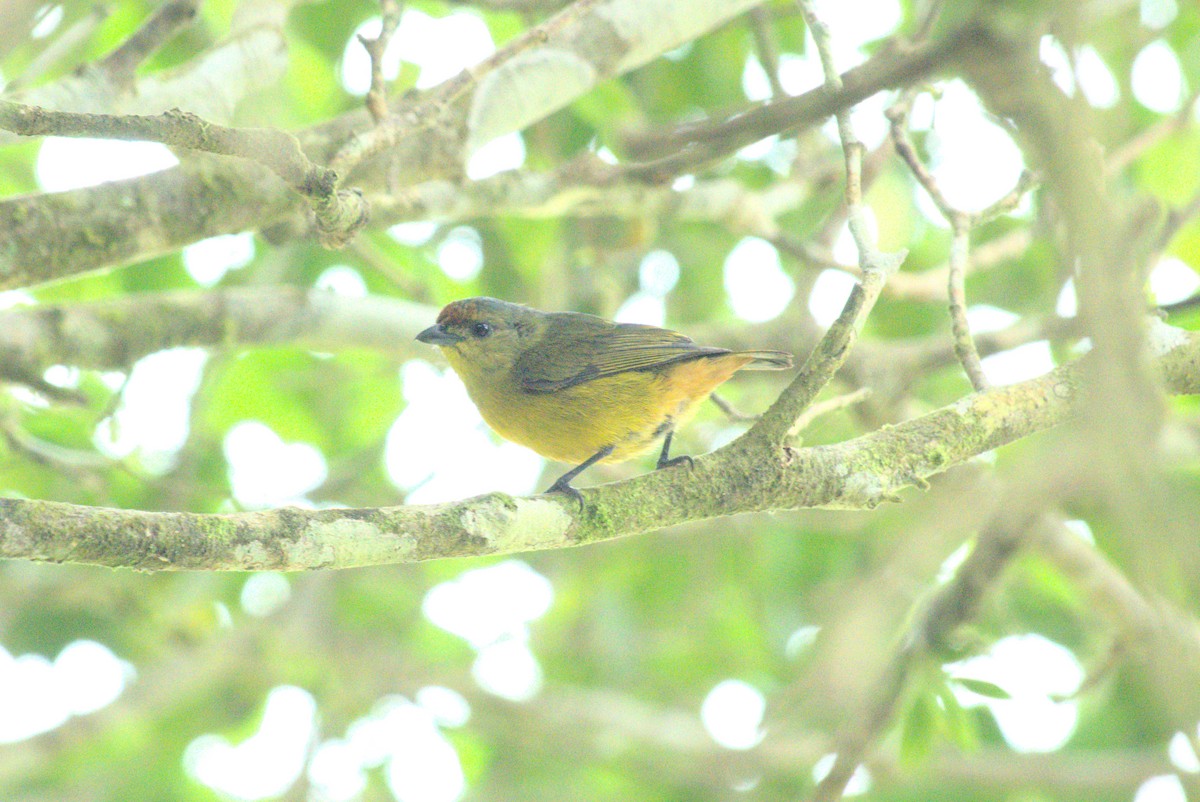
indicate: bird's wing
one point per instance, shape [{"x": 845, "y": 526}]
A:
[{"x": 580, "y": 348}]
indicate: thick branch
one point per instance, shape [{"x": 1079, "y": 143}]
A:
[
  {"x": 856, "y": 474},
  {"x": 276, "y": 149},
  {"x": 1109, "y": 241},
  {"x": 33, "y": 249},
  {"x": 115, "y": 333},
  {"x": 951, "y": 606},
  {"x": 893, "y": 67},
  {"x": 43, "y": 237},
  {"x": 339, "y": 213}
]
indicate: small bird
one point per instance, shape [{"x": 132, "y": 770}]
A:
[{"x": 580, "y": 389}]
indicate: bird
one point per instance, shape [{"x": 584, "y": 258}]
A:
[{"x": 580, "y": 389}]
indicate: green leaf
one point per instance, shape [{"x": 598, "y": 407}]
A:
[
  {"x": 919, "y": 731},
  {"x": 957, "y": 723},
  {"x": 983, "y": 688}
]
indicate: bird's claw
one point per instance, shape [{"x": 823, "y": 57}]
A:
[
  {"x": 565, "y": 487},
  {"x": 670, "y": 463}
]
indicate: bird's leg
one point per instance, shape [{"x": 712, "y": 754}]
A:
[
  {"x": 563, "y": 483},
  {"x": 665, "y": 461}
]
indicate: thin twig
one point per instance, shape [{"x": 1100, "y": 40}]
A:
[
  {"x": 65, "y": 45},
  {"x": 961, "y": 224},
  {"x": 928, "y": 286},
  {"x": 1120, "y": 158},
  {"x": 927, "y": 14},
  {"x": 964, "y": 344},
  {"x": 872, "y": 168},
  {"x": 515, "y": 6},
  {"x": 271, "y": 147},
  {"x": 766, "y": 47},
  {"x": 395, "y": 128},
  {"x": 690, "y": 159},
  {"x": 1177, "y": 218},
  {"x": 831, "y": 351},
  {"x": 121, "y": 63},
  {"x": 870, "y": 258},
  {"x": 897, "y": 115},
  {"x": 42, "y": 452},
  {"x": 733, "y": 413},
  {"x": 1112, "y": 595},
  {"x": 825, "y": 407},
  {"x": 376, "y": 47}
]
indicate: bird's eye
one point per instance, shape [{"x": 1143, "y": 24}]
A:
[{"x": 481, "y": 329}]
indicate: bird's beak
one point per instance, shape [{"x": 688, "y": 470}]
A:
[{"x": 437, "y": 335}]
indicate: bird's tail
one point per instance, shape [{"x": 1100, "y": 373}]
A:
[{"x": 767, "y": 360}]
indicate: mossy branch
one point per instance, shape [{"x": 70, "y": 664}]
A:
[{"x": 740, "y": 478}]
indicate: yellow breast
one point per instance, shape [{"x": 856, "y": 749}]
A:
[{"x": 629, "y": 411}]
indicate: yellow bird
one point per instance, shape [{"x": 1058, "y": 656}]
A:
[{"x": 580, "y": 389}]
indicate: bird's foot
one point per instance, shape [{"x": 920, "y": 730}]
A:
[
  {"x": 563, "y": 485},
  {"x": 673, "y": 461}
]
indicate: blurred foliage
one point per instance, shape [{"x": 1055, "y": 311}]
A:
[{"x": 640, "y": 630}]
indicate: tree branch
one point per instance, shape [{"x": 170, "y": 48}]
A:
[
  {"x": 115, "y": 333},
  {"x": 34, "y": 249},
  {"x": 339, "y": 213},
  {"x": 831, "y": 352},
  {"x": 857, "y": 474},
  {"x": 961, "y": 224},
  {"x": 376, "y": 47},
  {"x": 67, "y": 44},
  {"x": 153, "y": 34},
  {"x": 951, "y": 605},
  {"x": 252, "y": 57},
  {"x": 487, "y": 123},
  {"x": 44, "y": 237},
  {"x": 895, "y": 66},
  {"x": 1109, "y": 241}
]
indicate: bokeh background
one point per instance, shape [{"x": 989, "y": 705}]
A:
[{"x": 714, "y": 661}]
